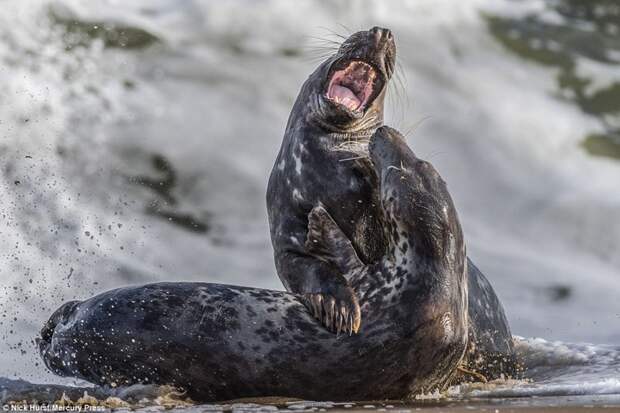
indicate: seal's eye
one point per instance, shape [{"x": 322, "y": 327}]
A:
[{"x": 352, "y": 86}]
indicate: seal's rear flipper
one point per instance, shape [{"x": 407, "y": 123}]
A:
[{"x": 327, "y": 242}]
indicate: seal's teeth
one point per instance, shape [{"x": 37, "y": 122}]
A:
[
  {"x": 327, "y": 312},
  {"x": 339, "y": 323},
  {"x": 318, "y": 305},
  {"x": 315, "y": 309},
  {"x": 356, "y": 325},
  {"x": 328, "y": 306}
]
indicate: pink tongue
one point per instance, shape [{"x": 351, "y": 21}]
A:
[{"x": 344, "y": 96}]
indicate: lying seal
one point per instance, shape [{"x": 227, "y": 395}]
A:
[
  {"x": 224, "y": 342},
  {"x": 324, "y": 158}
]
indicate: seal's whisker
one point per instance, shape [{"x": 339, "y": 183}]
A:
[
  {"x": 324, "y": 40},
  {"x": 400, "y": 78},
  {"x": 353, "y": 158},
  {"x": 398, "y": 102},
  {"x": 333, "y": 32},
  {"x": 320, "y": 48},
  {"x": 400, "y": 75},
  {"x": 319, "y": 52},
  {"x": 353, "y": 144},
  {"x": 436, "y": 153},
  {"x": 315, "y": 59},
  {"x": 398, "y": 97},
  {"x": 409, "y": 130},
  {"x": 346, "y": 29}
]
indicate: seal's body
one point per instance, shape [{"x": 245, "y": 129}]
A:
[
  {"x": 224, "y": 342},
  {"x": 324, "y": 159}
]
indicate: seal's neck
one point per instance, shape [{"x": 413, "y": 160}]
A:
[
  {"x": 396, "y": 275},
  {"x": 361, "y": 128}
]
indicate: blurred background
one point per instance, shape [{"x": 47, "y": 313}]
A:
[{"x": 136, "y": 140}]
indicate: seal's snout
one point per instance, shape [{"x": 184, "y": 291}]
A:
[
  {"x": 388, "y": 148},
  {"x": 381, "y": 34},
  {"x": 383, "y": 43},
  {"x": 383, "y": 50},
  {"x": 45, "y": 341}
]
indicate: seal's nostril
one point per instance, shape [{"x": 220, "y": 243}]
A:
[{"x": 381, "y": 33}]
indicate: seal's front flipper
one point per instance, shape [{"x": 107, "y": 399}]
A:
[
  {"x": 327, "y": 242},
  {"x": 336, "y": 305},
  {"x": 337, "y": 309}
]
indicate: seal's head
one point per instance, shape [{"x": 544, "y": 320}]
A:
[
  {"x": 411, "y": 187},
  {"x": 346, "y": 92}
]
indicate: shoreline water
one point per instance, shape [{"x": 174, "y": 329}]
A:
[{"x": 152, "y": 398}]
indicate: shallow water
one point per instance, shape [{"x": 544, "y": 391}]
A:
[{"x": 136, "y": 140}]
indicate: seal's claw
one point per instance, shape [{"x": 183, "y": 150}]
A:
[{"x": 338, "y": 313}]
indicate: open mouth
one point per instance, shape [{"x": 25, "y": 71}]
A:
[{"x": 354, "y": 86}]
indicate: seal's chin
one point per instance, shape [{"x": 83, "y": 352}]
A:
[{"x": 354, "y": 85}]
